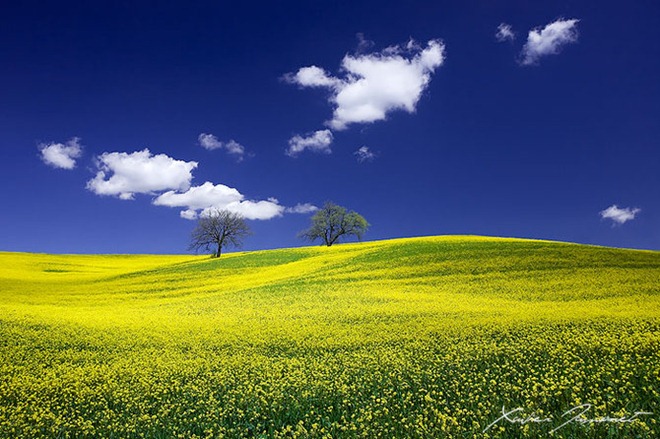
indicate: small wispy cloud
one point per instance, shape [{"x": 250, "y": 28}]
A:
[
  {"x": 364, "y": 154},
  {"x": 548, "y": 40},
  {"x": 61, "y": 155},
  {"x": 505, "y": 33},
  {"x": 211, "y": 142},
  {"x": 364, "y": 44},
  {"x": 619, "y": 215},
  {"x": 319, "y": 141},
  {"x": 302, "y": 208}
]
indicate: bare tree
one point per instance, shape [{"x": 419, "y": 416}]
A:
[
  {"x": 332, "y": 222},
  {"x": 218, "y": 229}
]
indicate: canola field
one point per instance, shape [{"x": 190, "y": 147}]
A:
[{"x": 411, "y": 338}]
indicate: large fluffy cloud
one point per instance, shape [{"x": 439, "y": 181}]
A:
[
  {"x": 372, "y": 85},
  {"x": 61, "y": 155},
  {"x": 549, "y": 40},
  {"x": 199, "y": 200},
  {"x": 200, "y": 197},
  {"x": 318, "y": 141},
  {"x": 126, "y": 174},
  {"x": 619, "y": 215},
  {"x": 258, "y": 210}
]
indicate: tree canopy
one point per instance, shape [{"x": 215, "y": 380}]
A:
[
  {"x": 218, "y": 229},
  {"x": 331, "y": 222}
]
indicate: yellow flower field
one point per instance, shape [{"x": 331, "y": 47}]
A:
[{"x": 408, "y": 338}]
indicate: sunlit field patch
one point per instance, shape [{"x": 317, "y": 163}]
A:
[{"x": 420, "y": 338}]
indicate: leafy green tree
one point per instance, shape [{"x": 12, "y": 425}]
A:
[
  {"x": 331, "y": 222},
  {"x": 218, "y": 229}
]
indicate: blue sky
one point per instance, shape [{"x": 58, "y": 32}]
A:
[{"x": 121, "y": 123}]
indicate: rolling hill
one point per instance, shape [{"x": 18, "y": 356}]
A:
[{"x": 417, "y": 337}]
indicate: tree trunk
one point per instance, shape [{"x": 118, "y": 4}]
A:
[{"x": 220, "y": 242}]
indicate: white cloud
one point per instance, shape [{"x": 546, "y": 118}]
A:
[
  {"x": 364, "y": 154},
  {"x": 619, "y": 215},
  {"x": 372, "y": 85},
  {"x": 188, "y": 214},
  {"x": 505, "y": 32},
  {"x": 318, "y": 141},
  {"x": 211, "y": 142},
  {"x": 200, "y": 197},
  {"x": 233, "y": 147},
  {"x": 302, "y": 208},
  {"x": 218, "y": 196},
  {"x": 549, "y": 40},
  {"x": 124, "y": 175},
  {"x": 59, "y": 155},
  {"x": 256, "y": 210},
  {"x": 313, "y": 77}
]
